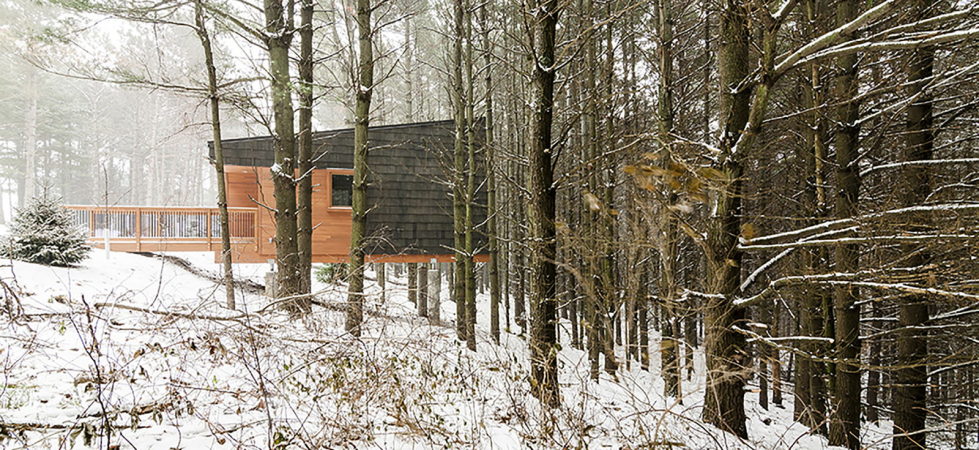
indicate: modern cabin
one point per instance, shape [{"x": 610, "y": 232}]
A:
[{"x": 409, "y": 218}]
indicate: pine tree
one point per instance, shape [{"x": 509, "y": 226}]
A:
[{"x": 43, "y": 233}]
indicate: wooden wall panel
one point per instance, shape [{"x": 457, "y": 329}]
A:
[
  {"x": 242, "y": 185},
  {"x": 331, "y": 226}
]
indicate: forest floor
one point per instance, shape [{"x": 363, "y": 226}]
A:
[{"x": 143, "y": 347}]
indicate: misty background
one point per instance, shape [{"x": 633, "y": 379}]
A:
[{"x": 104, "y": 111}]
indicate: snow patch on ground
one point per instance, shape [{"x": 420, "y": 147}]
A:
[{"x": 184, "y": 372}]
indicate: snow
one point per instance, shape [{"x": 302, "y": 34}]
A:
[{"x": 260, "y": 378}]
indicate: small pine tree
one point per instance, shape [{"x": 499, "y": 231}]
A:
[{"x": 43, "y": 233}]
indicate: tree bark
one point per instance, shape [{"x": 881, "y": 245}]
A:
[
  {"x": 541, "y": 210},
  {"x": 725, "y": 347},
  {"x": 458, "y": 180},
  {"x": 364, "y": 91},
  {"x": 278, "y": 40},
  {"x": 490, "y": 167},
  {"x": 30, "y": 139},
  {"x": 304, "y": 237},
  {"x": 845, "y": 423},
  {"x": 215, "y": 106},
  {"x": 470, "y": 190},
  {"x": 910, "y": 393},
  {"x": 670, "y": 349}
]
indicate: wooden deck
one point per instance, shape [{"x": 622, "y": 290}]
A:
[
  {"x": 182, "y": 229},
  {"x": 156, "y": 229}
]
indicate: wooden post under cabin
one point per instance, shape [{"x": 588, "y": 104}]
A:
[
  {"x": 139, "y": 230},
  {"x": 422, "y": 289},
  {"x": 434, "y": 292},
  {"x": 413, "y": 283},
  {"x": 209, "y": 233}
]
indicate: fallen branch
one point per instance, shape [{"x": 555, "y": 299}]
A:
[
  {"x": 247, "y": 285},
  {"x": 169, "y": 313}
]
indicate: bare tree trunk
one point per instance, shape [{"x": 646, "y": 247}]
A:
[
  {"x": 283, "y": 172},
  {"x": 470, "y": 190},
  {"x": 364, "y": 91},
  {"x": 808, "y": 374},
  {"x": 541, "y": 211},
  {"x": 776, "y": 359},
  {"x": 845, "y": 423},
  {"x": 30, "y": 139},
  {"x": 594, "y": 305},
  {"x": 491, "y": 226},
  {"x": 725, "y": 347},
  {"x": 606, "y": 222},
  {"x": 910, "y": 394},
  {"x": 409, "y": 67},
  {"x": 215, "y": 105},
  {"x": 304, "y": 237},
  {"x": 670, "y": 349},
  {"x": 458, "y": 190}
]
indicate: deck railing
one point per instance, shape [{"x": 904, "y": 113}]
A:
[{"x": 158, "y": 226}]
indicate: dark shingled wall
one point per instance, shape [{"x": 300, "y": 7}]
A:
[{"x": 408, "y": 193}]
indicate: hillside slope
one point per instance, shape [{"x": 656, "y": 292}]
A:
[{"x": 144, "y": 347}]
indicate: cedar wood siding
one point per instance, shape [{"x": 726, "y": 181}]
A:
[{"x": 409, "y": 166}]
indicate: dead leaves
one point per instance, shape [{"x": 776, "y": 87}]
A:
[
  {"x": 749, "y": 231},
  {"x": 592, "y": 202},
  {"x": 690, "y": 183}
]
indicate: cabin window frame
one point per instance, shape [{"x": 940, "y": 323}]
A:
[{"x": 329, "y": 189}]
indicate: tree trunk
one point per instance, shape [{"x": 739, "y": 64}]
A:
[
  {"x": 458, "y": 189},
  {"x": 491, "y": 209},
  {"x": 470, "y": 190},
  {"x": 364, "y": 91},
  {"x": 910, "y": 393},
  {"x": 304, "y": 237},
  {"x": 283, "y": 172},
  {"x": 809, "y": 385},
  {"x": 30, "y": 139},
  {"x": 725, "y": 347},
  {"x": 845, "y": 424},
  {"x": 215, "y": 105},
  {"x": 668, "y": 237},
  {"x": 541, "y": 210},
  {"x": 776, "y": 359}
]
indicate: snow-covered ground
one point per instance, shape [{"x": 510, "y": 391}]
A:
[{"x": 177, "y": 370}]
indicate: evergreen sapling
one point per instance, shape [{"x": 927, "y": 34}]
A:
[{"x": 44, "y": 233}]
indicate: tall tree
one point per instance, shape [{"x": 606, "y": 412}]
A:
[
  {"x": 725, "y": 347},
  {"x": 215, "y": 107},
  {"x": 278, "y": 38},
  {"x": 305, "y": 154},
  {"x": 364, "y": 90},
  {"x": 490, "y": 166},
  {"x": 910, "y": 392},
  {"x": 469, "y": 189},
  {"x": 669, "y": 344},
  {"x": 29, "y": 189},
  {"x": 541, "y": 205},
  {"x": 458, "y": 175},
  {"x": 845, "y": 423}
]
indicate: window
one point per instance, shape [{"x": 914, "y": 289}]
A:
[{"x": 341, "y": 190}]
